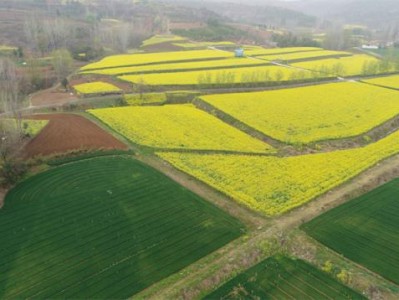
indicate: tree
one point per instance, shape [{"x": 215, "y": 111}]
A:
[
  {"x": 11, "y": 100},
  {"x": 62, "y": 63},
  {"x": 10, "y": 97},
  {"x": 65, "y": 83}
]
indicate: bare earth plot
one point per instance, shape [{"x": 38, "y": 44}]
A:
[{"x": 66, "y": 132}]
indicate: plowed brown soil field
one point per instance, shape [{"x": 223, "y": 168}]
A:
[{"x": 66, "y": 132}]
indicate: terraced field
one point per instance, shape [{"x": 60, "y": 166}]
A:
[
  {"x": 255, "y": 74},
  {"x": 274, "y": 185},
  {"x": 259, "y": 51},
  {"x": 177, "y": 127},
  {"x": 366, "y": 230},
  {"x": 181, "y": 66},
  {"x": 153, "y": 58},
  {"x": 344, "y": 66},
  {"x": 102, "y": 228},
  {"x": 97, "y": 87},
  {"x": 387, "y": 81},
  {"x": 309, "y": 114},
  {"x": 305, "y": 55},
  {"x": 283, "y": 278},
  {"x": 159, "y": 39}
]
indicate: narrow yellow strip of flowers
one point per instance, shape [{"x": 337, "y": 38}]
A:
[
  {"x": 263, "y": 51},
  {"x": 178, "y": 127},
  {"x": 159, "y": 39},
  {"x": 388, "y": 81},
  {"x": 97, "y": 87},
  {"x": 305, "y": 55},
  {"x": 274, "y": 185},
  {"x": 147, "y": 58},
  {"x": 218, "y": 63},
  {"x": 237, "y": 75},
  {"x": 309, "y": 114}
]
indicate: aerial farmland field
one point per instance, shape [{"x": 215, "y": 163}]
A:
[
  {"x": 152, "y": 58},
  {"x": 274, "y": 185},
  {"x": 365, "y": 230},
  {"x": 253, "y": 74},
  {"x": 305, "y": 55},
  {"x": 283, "y": 278},
  {"x": 103, "y": 228},
  {"x": 275, "y": 51},
  {"x": 159, "y": 39},
  {"x": 96, "y": 88},
  {"x": 344, "y": 66},
  {"x": 309, "y": 114},
  {"x": 181, "y": 66},
  {"x": 178, "y": 127},
  {"x": 387, "y": 81}
]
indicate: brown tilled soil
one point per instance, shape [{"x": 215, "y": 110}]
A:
[{"x": 67, "y": 132}]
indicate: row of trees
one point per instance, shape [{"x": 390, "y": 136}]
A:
[{"x": 229, "y": 78}]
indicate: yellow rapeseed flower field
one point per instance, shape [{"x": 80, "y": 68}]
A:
[
  {"x": 308, "y": 114},
  {"x": 219, "y": 63},
  {"x": 147, "y": 98},
  {"x": 96, "y": 87},
  {"x": 274, "y": 185},
  {"x": 344, "y": 66},
  {"x": 159, "y": 39},
  {"x": 229, "y": 76},
  {"x": 388, "y": 81},
  {"x": 304, "y": 55},
  {"x": 263, "y": 51},
  {"x": 153, "y": 58},
  {"x": 178, "y": 127},
  {"x": 188, "y": 45}
]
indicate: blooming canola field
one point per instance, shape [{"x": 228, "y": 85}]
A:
[
  {"x": 305, "y": 55},
  {"x": 387, "y": 81},
  {"x": 178, "y": 127},
  {"x": 96, "y": 88},
  {"x": 309, "y": 114},
  {"x": 236, "y": 75},
  {"x": 191, "y": 65},
  {"x": 344, "y": 66},
  {"x": 274, "y": 185},
  {"x": 148, "y": 58}
]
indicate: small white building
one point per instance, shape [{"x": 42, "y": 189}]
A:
[{"x": 370, "y": 47}]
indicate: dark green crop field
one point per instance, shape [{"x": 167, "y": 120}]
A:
[
  {"x": 365, "y": 230},
  {"x": 103, "y": 228},
  {"x": 283, "y": 278}
]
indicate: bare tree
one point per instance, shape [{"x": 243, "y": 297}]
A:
[
  {"x": 10, "y": 96},
  {"x": 10, "y": 132},
  {"x": 62, "y": 63}
]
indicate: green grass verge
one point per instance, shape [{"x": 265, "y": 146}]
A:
[
  {"x": 365, "y": 230},
  {"x": 72, "y": 157},
  {"x": 283, "y": 278},
  {"x": 105, "y": 228}
]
